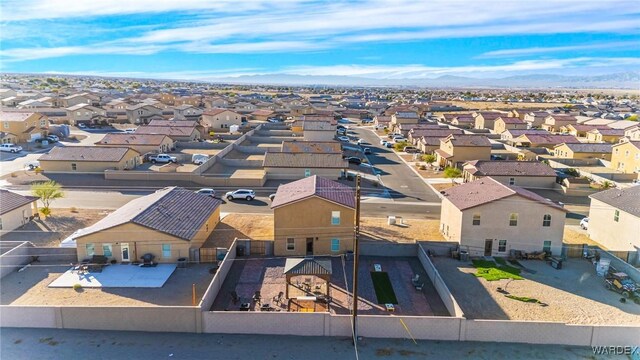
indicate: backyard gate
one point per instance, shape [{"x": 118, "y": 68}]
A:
[
  {"x": 261, "y": 247},
  {"x": 208, "y": 255}
]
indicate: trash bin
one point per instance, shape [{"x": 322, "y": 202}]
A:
[
  {"x": 464, "y": 255},
  {"x": 240, "y": 250},
  {"x": 349, "y": 255},
  {"x": 182, "y": 262}
]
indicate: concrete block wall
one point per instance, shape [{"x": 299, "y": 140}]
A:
[
  {"x": 525, "y": 332},
  {"x": 15, "y": 258},
  {"x": 216, "y": 284},
  {"x": 441, "y": 287}
]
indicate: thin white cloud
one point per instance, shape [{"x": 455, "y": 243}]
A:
[{"x": 547, "y": 50}]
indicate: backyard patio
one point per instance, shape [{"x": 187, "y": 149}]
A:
[{"x": 117, "y": 276}]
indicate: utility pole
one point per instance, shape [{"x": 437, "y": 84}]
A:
[{"x": 356, "y": 229}]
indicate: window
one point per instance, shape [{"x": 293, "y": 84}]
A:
[
  {"x": 166, "y": 250},
  {"x": 43, "y": 123},
  {"x": 616, "y": 215},
  {"x": 513, "y": 219},
  {"x": 502, "y": 245},
  {"x": 74, "y": 167},
  {"x": 476, "y": 219},
  {"x": 291, "y": 244},
  {"x": 335, "y": 218},
  {"x": 546, "y": 247},
  {"x": 307, "y": 172},
  {"x": 512, "y": 181},
  {"x": 6, "y": 124},
  {"x": 335, "y": 245},
  {"x": 91, "y": 250},
  {"x": 106, "y": 250},
  {"x": 546, "y": 220}
]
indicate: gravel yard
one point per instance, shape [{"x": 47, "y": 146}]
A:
[
  {"x": 573, "y": 295},
  {"x": 30, "y": 287},
  {"x": 51, "y": 230},
  {"x": 414, "y": 229}
]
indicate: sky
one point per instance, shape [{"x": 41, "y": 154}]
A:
[{"x": 393, "y": 39}]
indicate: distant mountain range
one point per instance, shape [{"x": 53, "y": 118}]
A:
[{"x": 625, "y": 80}]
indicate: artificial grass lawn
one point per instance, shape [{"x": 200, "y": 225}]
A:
[
  {"x": 384, "y": 289},
  {"x": 492, "y": 272},
  {"x": 523, "y": 299}
]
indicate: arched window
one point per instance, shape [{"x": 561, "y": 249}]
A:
[{"x": 546, "y": 220}]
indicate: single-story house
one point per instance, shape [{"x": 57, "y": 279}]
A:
[
  {"x": 527, "y": 174},
  {"x": 89, "y": 159},
  {"x": 317, "y": 147},
  {"x": 143, "y": 144},
  {"x": 293, "y": 166},
  {"x": 169, "y": 224},
  {"x": 318, "y": 130},
  {"x": 15, "y": 210}
]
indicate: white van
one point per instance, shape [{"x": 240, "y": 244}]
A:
[{"x": 199, "y": 159}]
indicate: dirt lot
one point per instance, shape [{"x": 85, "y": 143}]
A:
[
  {"x": 243, "y": 226},
  {"x": 577, "y": 236},
  {"x": 30, "y": 287},
  {"x": 414, "y": 229},
  {"x": 55, "y": 228},
  {"x": 485, "y": 105},
  {"x": 573, "y": 295}
]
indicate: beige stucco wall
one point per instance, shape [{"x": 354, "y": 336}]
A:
[
  {"x": 143, "y": 240},
  {"x": 617, "y": 236},
  {"x": 18, "y": 128},
  {"x": 626, "y": 158},
  {"x": 533, "y": 182},
  {"x": 528, "y": 235},
  {"x": 311, "y": 218},
  {"x": 221, "y": 121},
  {"x": 299, "y": 173},
  {"x": 16, "y": 218},
  {"x": 129, "y": 161},
  {"x": 564, "y": 152},
  {"x": 482, "y": 123},
  {"x": 500, "y": 126},
  {"x": 463, "y": 154}
]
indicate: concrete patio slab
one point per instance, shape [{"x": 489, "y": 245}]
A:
[{"x": 117, "y": 276}]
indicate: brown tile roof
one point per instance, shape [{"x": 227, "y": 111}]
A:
[
  {"x": 132, "y": 139},
  {"x": 263, "y": 112},
  {"x": 511, "y": 120},
  {"x": 609, "y": 132},
  {"x": 627, "y": 200},
  {"x": 442, "y": 133},
  {"x": 318, "y": 147},
  {"x": 550, "y": 139},
  {"x": 14, "y": 116},
  {"x": 383, "y": 119},
  {"x": 487, "y": 115},
  {"x": 588, "y": 148},
  {"x": 176, "y": 123},
  {"x": 165, "y": 130},
  {"x": 486, "y": 190},
  {"x": 518, "y": 132},
  {"x": 304, "y": 160},
  {"x": 86, "y": 153},
  {"x": 216, "y": 111},
  {"x": 173, "y": 210},
  {"x": 315, "y": 186},
  {"x": 11, "y": 201},
  {"x": 467, "y": 140},
  {"x": 508, "y": 168}
]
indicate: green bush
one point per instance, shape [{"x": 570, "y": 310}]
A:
[
  {"x": 400, "y": 146},
  {"x": 429, "y": 158},
  {"x": 77, "y": 287}
]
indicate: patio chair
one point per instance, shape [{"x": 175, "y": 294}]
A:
[
  {"x": 257, "y": 298},
  {"x": 97, "y": 263},
  {"x": 278, "y": 299},
  {"x": 415, "y": 280},
  {"x": 234, "y": 297}
]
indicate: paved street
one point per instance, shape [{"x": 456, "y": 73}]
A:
[
  {"x": 45, "y": 344},
  {"x": 403, "y": 183}
]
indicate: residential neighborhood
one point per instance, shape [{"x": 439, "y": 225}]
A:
[{"x": 301, "y": 180}]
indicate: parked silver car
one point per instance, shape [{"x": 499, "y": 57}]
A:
[{"x": 241, "y": 194}]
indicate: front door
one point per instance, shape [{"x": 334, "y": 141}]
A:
[
  {"x": 488, "y": 247},
  {"x": 309, "y": 246},
  {"x": 124, "y": 247}
]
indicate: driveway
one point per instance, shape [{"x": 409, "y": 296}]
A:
[{"x": 404, "y": 185}]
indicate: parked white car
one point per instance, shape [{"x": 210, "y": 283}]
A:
[
  {"x": 245, "y": 194},
  {"x": 199, "y": 159},
  {"x": 343, "y": 138},
  {"x": 207, "y": 191},
  {"x": 10, "y": 148},
  {"x": 130, "y": 130},
  {"x": 584, "y": 223}
]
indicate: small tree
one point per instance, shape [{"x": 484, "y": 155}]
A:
[
  {"x": 47, "y": 192},
  {"x": 452, "y": 173},
  {"x": 400, "y": 145},
  {"x": 429, "y": 158}
]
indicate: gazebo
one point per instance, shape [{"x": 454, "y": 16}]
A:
[{"x": 320, "y": 268}]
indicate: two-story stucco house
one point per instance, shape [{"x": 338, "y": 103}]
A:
[
  {"x": 219, "y": 120},
  {"x": 143, "y": 113},
  {"x": 489, "y": 218},
  {"x": 23, "y": 126},
  {"x": 313, "y": 216},
  {"x": 85, "y": 113},
  {"x": 614, "y": 220},
  {"x": 625, "y": 156},
  {"x": 457, "y": 149}
]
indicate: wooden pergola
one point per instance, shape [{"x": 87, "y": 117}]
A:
[{"x": 320, "y": 268}]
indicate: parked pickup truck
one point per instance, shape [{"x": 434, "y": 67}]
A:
[
  {"x": 10, "y": 148},
  {"x": 162, "y": 158}
]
